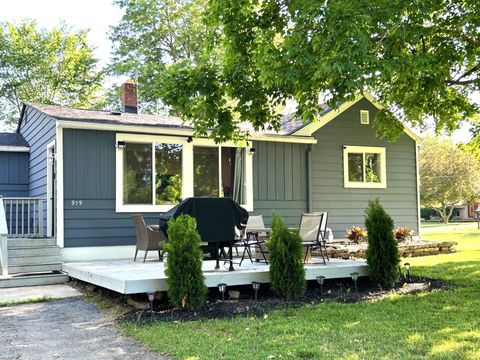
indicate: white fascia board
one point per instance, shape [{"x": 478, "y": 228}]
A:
[
  {"x": 309, "y": 129},
  {"x": 14, "y": 148},
  {"x": 157, "y": 130}
]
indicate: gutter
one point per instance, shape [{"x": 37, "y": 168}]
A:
[{"x": 309, "y": 178}]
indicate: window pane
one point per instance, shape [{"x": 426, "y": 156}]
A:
[
  {"x": 228, "y": 171},
  {"x": 205, "y": 172},
  {"x": 372, "y": 167},
  {"x": 137, "y": 174},
  {"x": 355, "y": 167},
  {"x": 168, "y": 173}
]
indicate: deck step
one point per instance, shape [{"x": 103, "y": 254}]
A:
[
  {"x": 33, "y": 280},
  {"x": 21, "y": 269},
  {"x": 34, "y": 260},
  {"x": 34, "y": 251},
  {"x": 30, "y": 242}
]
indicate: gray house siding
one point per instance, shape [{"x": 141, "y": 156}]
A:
[
  {"x": 38, "y": 130},
  {"x": 346, "y": 206},
  {"x": 89, "y": 176},
  {"x": 13, "y": 174},
  {"x": 280, "y": 180}
]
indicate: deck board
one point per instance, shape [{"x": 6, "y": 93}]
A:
[{"x": 128, "y": 277}]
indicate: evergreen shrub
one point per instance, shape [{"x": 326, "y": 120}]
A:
[
  {"x": 287, "y": 274},
  {"x": 186, "y": 286},
  {"x": 382, "y": 252}
]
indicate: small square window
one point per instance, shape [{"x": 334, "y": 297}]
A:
[
  {"x": 364, "y": 167},
  {"x": 364, "y": 117}
]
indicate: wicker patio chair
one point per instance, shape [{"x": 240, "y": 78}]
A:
[
  {"x": 149, "y": 237},
  {"x": 310, "y": 232}
]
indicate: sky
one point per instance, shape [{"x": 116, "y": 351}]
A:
[{"x": 97, "y": 16}]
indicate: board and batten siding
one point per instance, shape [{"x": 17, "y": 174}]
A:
[
  {"x": 280, "y": 181},
  {"x": 89, "y": 192},
  {"x": 346, "y": 206},
  {"x": 13, "y": 174}
]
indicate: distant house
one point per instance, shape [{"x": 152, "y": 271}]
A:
[{"x": 95, "y": 168}]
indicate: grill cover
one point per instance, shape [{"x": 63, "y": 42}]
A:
[{"x": 216, "y": 218}]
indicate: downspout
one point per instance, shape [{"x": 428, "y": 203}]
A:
[{"x": 309, "y": 178}]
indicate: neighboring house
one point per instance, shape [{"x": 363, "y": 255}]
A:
[
  {"x": 466, "y": 210},
  {"x": 109, "y": 165}
]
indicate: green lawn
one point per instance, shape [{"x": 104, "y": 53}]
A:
[{"x": 439, "y": 325}]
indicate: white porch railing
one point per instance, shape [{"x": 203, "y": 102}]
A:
[
  {"x": 3, "y": 240},
  {"x": 24, "y": 216}
]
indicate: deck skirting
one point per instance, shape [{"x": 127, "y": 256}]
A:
[{"x": 128, "y": 277}]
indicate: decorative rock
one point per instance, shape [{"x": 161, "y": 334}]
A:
[
  {"x": 344, "y": 249},
  {"x": 90, "y": 287},
  {"x": 140, "y": 305},
  {"x": 234, "y": 294}
]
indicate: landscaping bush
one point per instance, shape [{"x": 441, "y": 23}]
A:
[
  {"x": 403, "y": 233},
  {"x": 382, "y": 252},
  {"x": 287, "y": 275},
  {"x": 356, "y": 234},
  {"x": 186, "y": 286}
]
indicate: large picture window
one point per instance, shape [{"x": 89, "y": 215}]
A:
[
  {"x": 364, "y": 167},
  {"x": 154, "y": 173},
  {"x": 142, "y": 163}
]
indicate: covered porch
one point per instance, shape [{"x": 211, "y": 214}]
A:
[{"x": 128, "y": 277}]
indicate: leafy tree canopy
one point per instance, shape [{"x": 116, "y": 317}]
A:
[
  {"x": 473, "y": 146},
  {"x": 47, "y": 66},
  {"x": 420, "y": 58},
  {"x": 153, "y": 33},
  {"x": 448, "y": 176}
]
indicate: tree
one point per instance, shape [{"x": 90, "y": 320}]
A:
[
  {"x": 421, "y": 59},
  {"x": 50, "y": 67},
  {"x": 382, "y": 251},
  {"x": 186, "y": 284},
  {"x": 153, "y": 33},
  {"x": 287, "y": 274},
  {"x": 473, "y": 146},
  {"x": 448, "y": 176}
]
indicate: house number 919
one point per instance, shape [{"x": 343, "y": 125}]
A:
[{"x": 77, "y": 202}]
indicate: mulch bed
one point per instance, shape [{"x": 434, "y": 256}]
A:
[{"x": 342, "y": 291}]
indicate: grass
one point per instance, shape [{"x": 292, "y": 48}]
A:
[
  {"x": 427, "y": 225},
  {"x": 437, "y": 325},
  {"x": 28, "y": 301}
]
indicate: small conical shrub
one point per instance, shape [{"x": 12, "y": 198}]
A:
[
  {"x": 287, "y": 275},
  {"x": 186, "y": 286},
  {"x": 382, "y": 252}
]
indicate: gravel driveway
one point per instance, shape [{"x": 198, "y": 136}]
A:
[{"x": 66, "y": 329}]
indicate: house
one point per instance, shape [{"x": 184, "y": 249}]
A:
[{"x": 93, "y": 169}]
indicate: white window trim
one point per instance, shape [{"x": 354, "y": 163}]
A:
[
  {"x": 365, "y": 149},
  {"x": 187, "y": 169}
]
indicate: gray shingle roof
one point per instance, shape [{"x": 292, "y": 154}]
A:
[
  {"x": 12, "y": 139},
  {"x": 288, "y": 124},
  {"x": 107, "y": 117}
]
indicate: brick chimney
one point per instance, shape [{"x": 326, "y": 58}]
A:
[{"x": 128, "y": 97}]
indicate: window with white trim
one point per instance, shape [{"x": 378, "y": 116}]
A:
[
  {"x": 156, "y": 172},
  {"x": 364, "y": 167}
]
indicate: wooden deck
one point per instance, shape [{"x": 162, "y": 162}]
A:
[{"x": 128, "y": 277}]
